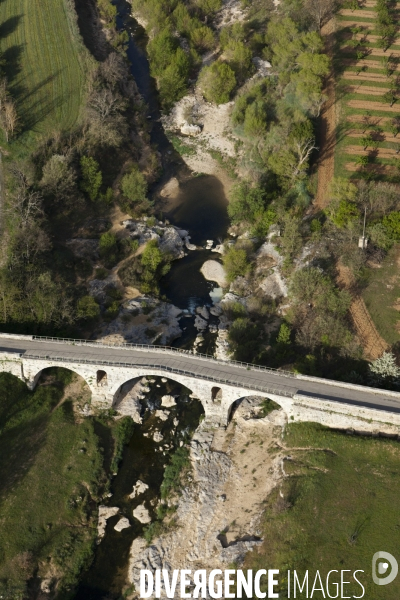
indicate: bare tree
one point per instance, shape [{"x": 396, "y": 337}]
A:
[
  {"x": 320, "y": 10},
  {"x": 25, "y": 203},
  {"x": 104, "y": 103},
  {"x": 9, "y": 118}
]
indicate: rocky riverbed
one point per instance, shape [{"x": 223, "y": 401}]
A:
[{"x": 218, "y": 514}]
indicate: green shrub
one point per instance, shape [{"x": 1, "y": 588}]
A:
[
  {"x": 235, "y": 262},
  {"x": 91, "y": 177},
  {"x": 134, "y": 186},
  {"x": 174, "y": 472},
  {"x": 87, "y": 308},
  {"x": 217, "y": 82}
]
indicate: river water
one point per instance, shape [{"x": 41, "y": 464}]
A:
[
  {"x": 201, "y": 206},
  {"x": 202, "y": 210}
]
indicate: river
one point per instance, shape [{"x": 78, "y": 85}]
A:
[{"x": 201, "y": 208}]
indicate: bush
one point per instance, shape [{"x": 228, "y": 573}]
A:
[
  {"x": 235, "y": 262},
  {"x": 217, "y": 82},
  {"x": 391, "y": 222},
  {"x": 87, "y": 308},
  {"x": 91, "y": 177},
  {"x": 134, "y": 186},
  {"x": 180, "y": 463}
]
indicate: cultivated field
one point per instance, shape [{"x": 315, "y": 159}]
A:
[
  {"x": 43, "y": 63},
  {"x": 368, "y": 91}
]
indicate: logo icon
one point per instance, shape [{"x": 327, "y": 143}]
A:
[{"x": 382, "y": 560}]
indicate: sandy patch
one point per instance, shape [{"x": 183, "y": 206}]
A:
[
  {"x": 368, "y": 64},
  {"x": 381, "y": 169},
  {"x": 368, "y": 105},
  {"x": 365, "y": 14},
  {"x": 365, "y": 76},
  {"x": 379, "y": 152},
  {"x": 366, "y": 89}
]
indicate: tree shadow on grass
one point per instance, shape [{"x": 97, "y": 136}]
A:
[
  {"x": 12, "y": 58},
  {"x": 23, "y": 419},
  {"x": 9, "y": 26},
  {"x": 18, "y": 449}
]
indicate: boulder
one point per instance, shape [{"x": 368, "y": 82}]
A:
[
  {"x": 168, "y": 401},
  {"x": 171, "y": 243},
  {"x": 105, "y": 512},
  {"x": 142, "y": 514},
  {"x": 161, "y": 414},
  {"x": 188, "y": 245},
  {"x": 212, "y": 270},
  {"x": 200, "y": 323},
  {"x": 203, "y": 312},
  {"x": 191, "y": 130},
  {"x": 139, "y": 488},
  {"x": 123, "y": 523},
  {"x": 157, "y": 437}
]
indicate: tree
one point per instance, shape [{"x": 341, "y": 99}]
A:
[
  {"x": 239, "y": 57},
  {"x": 391, "y": 222},
  {"x": 235, "y": 262},
  {"x": 91, "y": 177},
  {"x": 291, "y": 238},
  {"x": 284, "y": 334},
  {"x": 87, "y": 308},
  {"x": 378, "y": 235},
  {"x": 320, "y": 10},
  {"x": 108, "y": 247},
  {"x": 390, "y": 96},
  {"x": 366, "y": 141},
  {"x": 134, "y": 186},
  {"x": 217, "y": 82},
  {"x": 202, "y": 38},
  {"x": 303, "y": 141},
  {"x": 385, "y": 369},
  {"x": 151, "y": 257},
  {"x": 58, "y": 177},
  {"x": 9, "y": 117}
]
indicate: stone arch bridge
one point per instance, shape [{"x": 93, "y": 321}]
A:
[{"x": 217, "y": 384}]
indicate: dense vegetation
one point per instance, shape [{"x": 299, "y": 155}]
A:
[
  {"x": 58, "y": 130},
  {"x": 52, "y": 475},
  {"x": 332, "y": 510}
]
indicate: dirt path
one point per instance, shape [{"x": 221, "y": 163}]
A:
[
  {"x": 326, "y": 164},
  {"x": 373, "y": 344}
]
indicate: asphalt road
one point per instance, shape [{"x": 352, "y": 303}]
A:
[{"x": 218, "y": 371}]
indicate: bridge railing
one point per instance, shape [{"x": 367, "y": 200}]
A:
[
  {"x": 165, "y": 349},
  {"x": 150, "y": 365}
]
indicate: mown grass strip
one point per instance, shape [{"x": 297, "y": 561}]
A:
[{"x": 44, "y": 65}]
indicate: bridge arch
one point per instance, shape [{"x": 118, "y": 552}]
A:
[
  {"x": 255, "y": 403},
  {"x": 47, "y": 371}
]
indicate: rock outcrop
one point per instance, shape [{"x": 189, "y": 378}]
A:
[
  {"x": 123, "y": 523},
  {"x": 212, "y": 270},
  {"x": 139, "y": 488},
  {"x": 105, "y": 512},
  {"x": 141, "y": 514}
]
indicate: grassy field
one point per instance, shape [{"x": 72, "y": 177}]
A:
[
  {"x": 44, "y": 62},
  {"x": 362, "y": 109},
  {"x": 50, "y": 472},
  {"x": 340, "y": 506},
  {"x": 382, "y": 296}
]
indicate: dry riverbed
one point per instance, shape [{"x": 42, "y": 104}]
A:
[{"x": 219, "y": 511}]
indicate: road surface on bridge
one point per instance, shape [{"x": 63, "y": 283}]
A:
[{"x": 253, "y": 378}]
